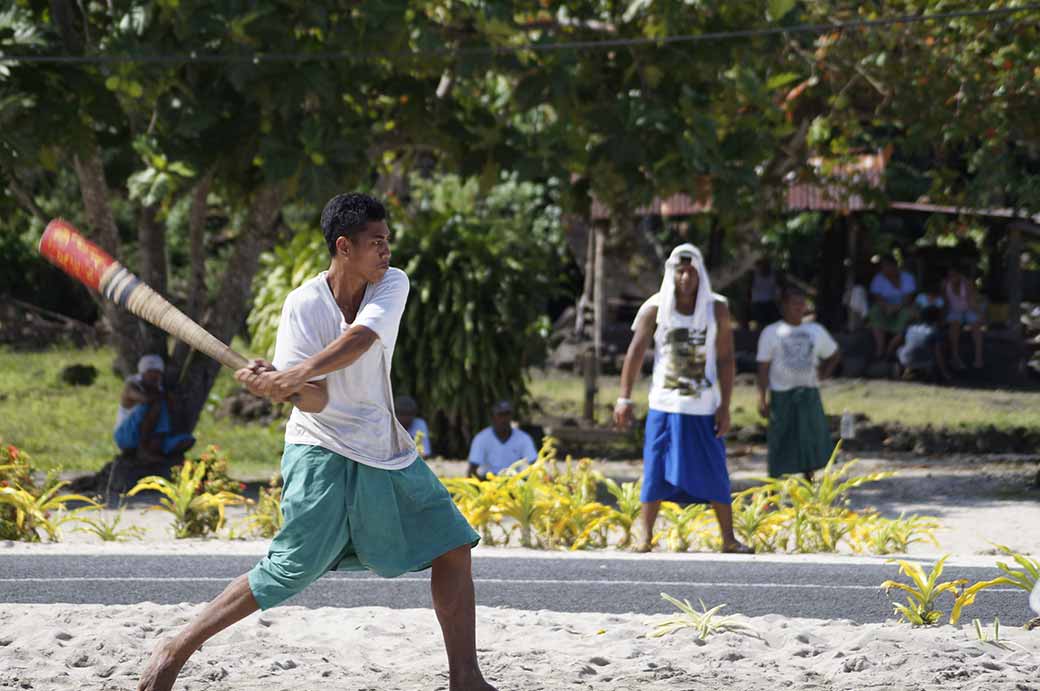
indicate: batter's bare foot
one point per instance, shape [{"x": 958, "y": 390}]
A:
[{"x": 161, "y": 671}]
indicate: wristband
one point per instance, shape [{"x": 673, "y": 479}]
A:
[{"x": 624, "y": 401}]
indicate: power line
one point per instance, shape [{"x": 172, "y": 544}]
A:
[{"x": 194, "y": 57}]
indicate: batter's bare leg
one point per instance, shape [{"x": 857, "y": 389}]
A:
[
  {"x": 451, "y": 584},
  {"x": 235, "y": 603}
]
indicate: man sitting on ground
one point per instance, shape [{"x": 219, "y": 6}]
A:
[
  {"x": 408, "y": 415},
  {"x": 143, "y": 424},
  {"x": 922, "y": 354},
  {"x": 499, "y": 446}
]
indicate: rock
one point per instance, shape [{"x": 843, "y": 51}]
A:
[
  {"x": 79, "y": 375},
  {"x": 246, "y": 407}
]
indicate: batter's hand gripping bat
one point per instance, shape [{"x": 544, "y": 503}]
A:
[{"x": 63, "y": 246}]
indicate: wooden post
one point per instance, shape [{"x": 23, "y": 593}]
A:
[
  {"x": 851, "y": 265},
  {"x": 588, "y": 353},
  {"x": 599, "y": 302},
  {"x": 1013, "y": 278}
]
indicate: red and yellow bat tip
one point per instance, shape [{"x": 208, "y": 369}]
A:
[{"x": 64, "y": 246}]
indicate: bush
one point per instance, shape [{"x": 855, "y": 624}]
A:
[
  {"x": 196, "y": 494},
  {"x": 27, "y": 508}
]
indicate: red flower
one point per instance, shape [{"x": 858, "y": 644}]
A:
[
  {"x": 242, "y": 486},
  {"x": 4, "y": 483},
  {"x": 12, "y": 451}
]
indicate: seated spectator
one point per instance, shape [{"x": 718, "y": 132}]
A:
[
  {"x": 143, "y": 427},
  {"x": 765, "y": 289},
  {"x": 931, "y": 297},
  {"x": 499, "y": 446},
  {"x": 965, "y": 310},
  {"x": 922, "y": 354},
  {"x": 892, "y": 291},
  {"x": 408, "y": 415}
]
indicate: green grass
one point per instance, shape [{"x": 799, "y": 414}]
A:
[
  {"x": 913, "y": 405},
  {"x": 71, "y": 426}
]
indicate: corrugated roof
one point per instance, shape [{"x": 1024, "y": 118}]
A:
[{"x": 866, "y": 170}]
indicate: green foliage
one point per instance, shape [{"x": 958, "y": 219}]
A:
[
  {"x": 482, "y": 269},
  {"x": 924, "y": 590},
  {"x": 281, "y": 271},
  {"x": 108, "y": 530},
  {"x": 267, "y": 519},
  {"x": 956, "y": 98},
  {"x": 27, "y": 508},
  {"x": 876, "y": 535},
  {"x": 1024, "y": 577},
  {"x": 195, "y": 495},
  {"x": 705, "y": 623}
]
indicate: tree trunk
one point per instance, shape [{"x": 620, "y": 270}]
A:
[
  {"x": 151, "y": 248},
  {"x": 126, "y": 330},
  {"x": 195, "y": 372},
  {"x": 197, "y": 244}
]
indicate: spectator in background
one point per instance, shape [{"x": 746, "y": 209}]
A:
[
  {"x": 931, "y": 296},
  {"x": 407, "y": 411},
  {"x": 764, "y": 294},
  {"x": 793, "y": 356},
  {"x": 143, "y": 424},
  {"x": 892, "y": 291},
  {"x": 965, "y": 311},
  {"x": 922, "y": 354},
  {"x": 499, "y": 446}
]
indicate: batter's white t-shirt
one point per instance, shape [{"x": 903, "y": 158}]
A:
[
  {"x": 359, "y": 420},
  {"x": 793, "y": 352}
]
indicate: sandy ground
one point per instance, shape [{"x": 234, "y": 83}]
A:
[
  {"x": 979, "y": 502},
  {"x": 292, "y": 648}
]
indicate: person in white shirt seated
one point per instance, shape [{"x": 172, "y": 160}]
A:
[
  {"x": 892, "y": 292},
  {"x": 408, "y": 415},
  {"x": 499, "y": 446}
]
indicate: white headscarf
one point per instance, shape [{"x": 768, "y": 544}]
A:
[
  {"x": 702, "y": 313},
  {"x": 149, "y": 362}
]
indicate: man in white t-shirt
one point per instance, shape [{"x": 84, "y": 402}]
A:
[
  {"x": 499, "y": 446},
  {"x": 793, "y": 355},
  {"x": 355, "y": 495}
]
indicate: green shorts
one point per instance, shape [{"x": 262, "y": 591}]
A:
[
  {"x": 890, "y": 322},
  {"x": 341, "y": 515}
]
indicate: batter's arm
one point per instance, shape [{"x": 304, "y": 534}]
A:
[{"x": 337, "y": 355}]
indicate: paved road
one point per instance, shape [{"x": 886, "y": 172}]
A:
[{"x": 754, "y": 588}]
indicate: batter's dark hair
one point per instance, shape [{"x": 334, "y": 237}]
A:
[{"x": 346, "y": 215}]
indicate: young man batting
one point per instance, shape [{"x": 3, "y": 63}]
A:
[{"x": 355, "y": 496}]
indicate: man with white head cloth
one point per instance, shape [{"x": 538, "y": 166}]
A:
[
  {"x": 684, "y": 456},
  {"x": 143, "y": 422}
]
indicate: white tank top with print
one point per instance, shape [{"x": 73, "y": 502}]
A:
[{"x": 685, "y": 378}]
